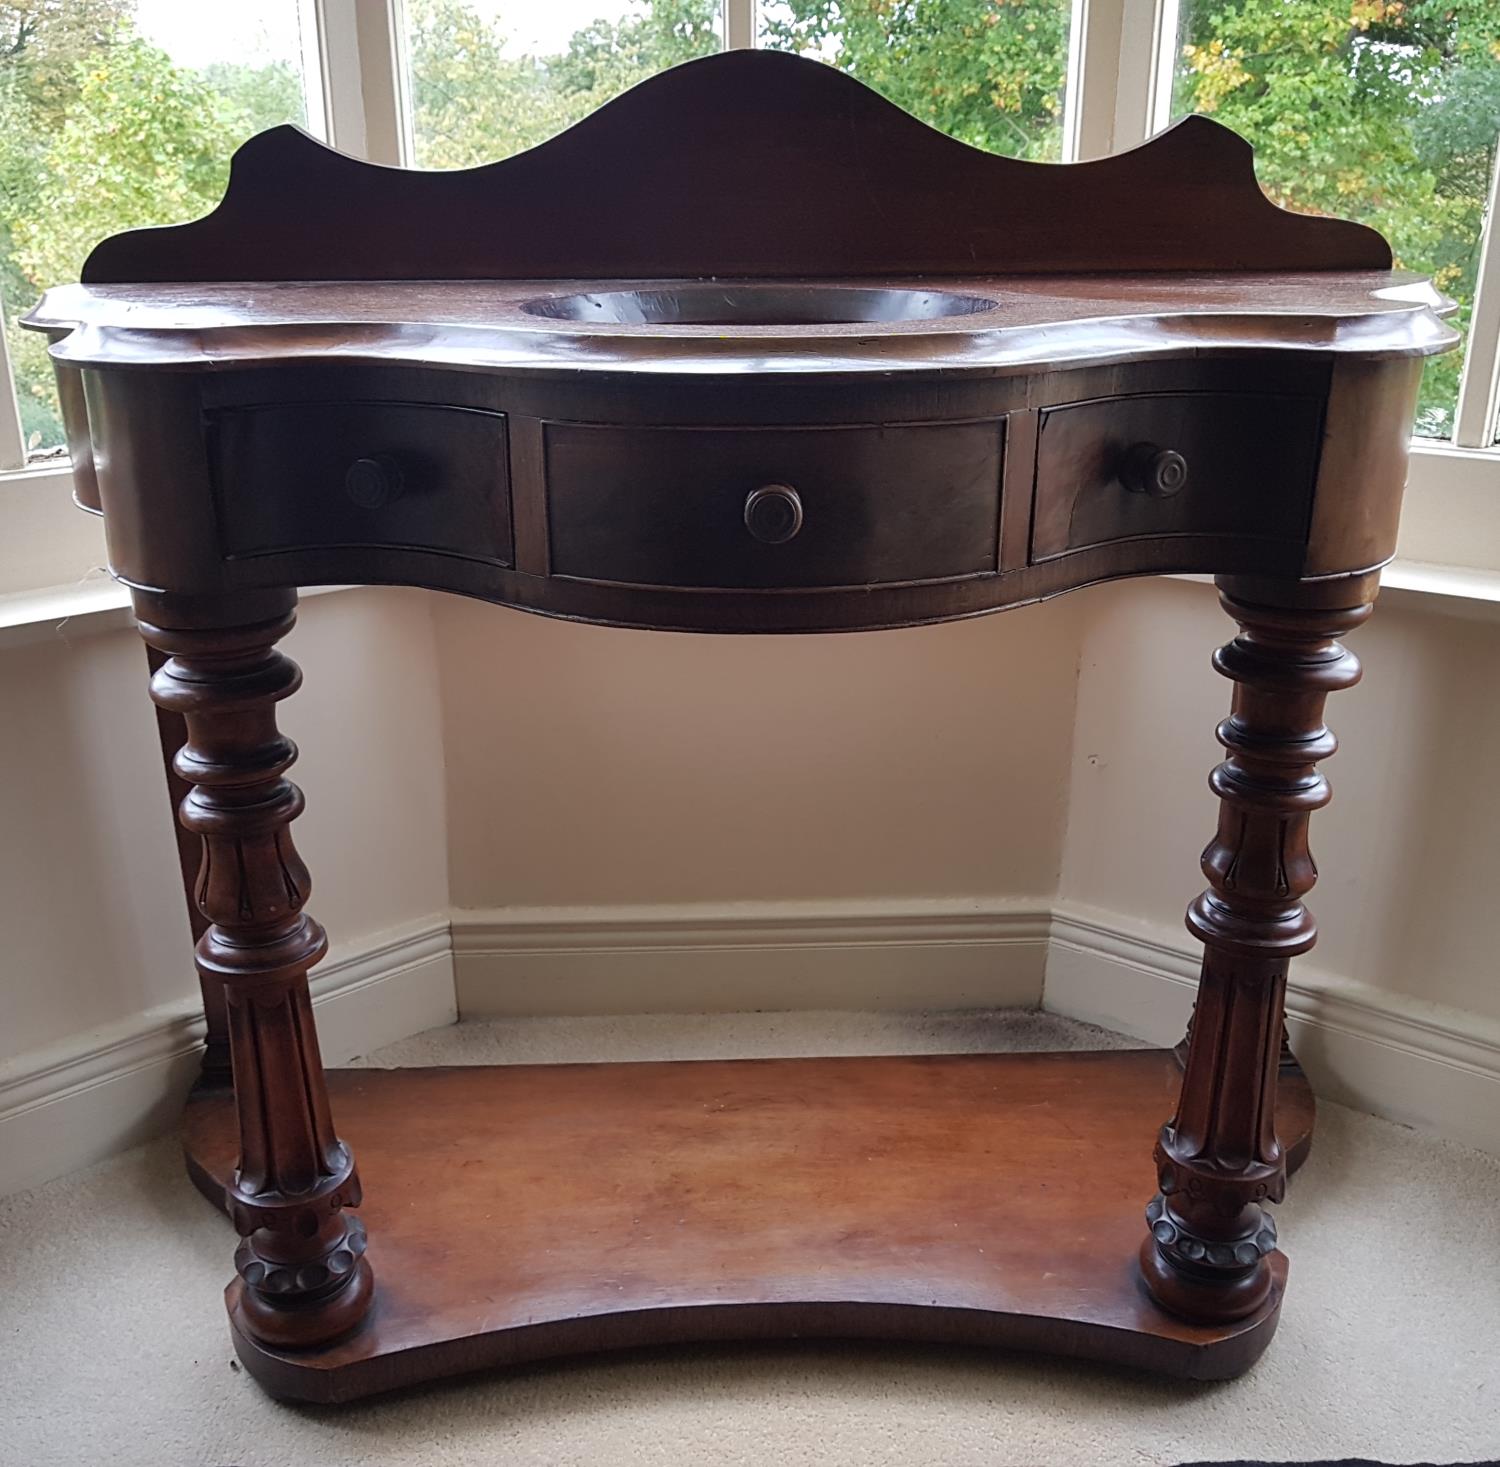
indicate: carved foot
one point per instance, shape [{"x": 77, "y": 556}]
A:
[
  {"x": 1215, "y": 1280},
  {"x": 292, "y": 1305}
]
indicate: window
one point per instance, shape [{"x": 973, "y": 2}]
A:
[
  {"x": 1384, "y": 111},
  {"x": 116, "y": 114}
]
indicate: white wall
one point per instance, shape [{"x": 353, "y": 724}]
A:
[
  {"x": 590, "y": 765},
  {"x": 617, "y": 820},
  {"x": 1407, "y": 851},
  {"x": 1397, "y": 1009},
  {"x": 90, "y": 900},
  {"x": 98, "y": 994},
  {"x": 674, "y": 822}
]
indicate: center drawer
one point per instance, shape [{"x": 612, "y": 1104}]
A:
[{"x": 772, "y": 508}]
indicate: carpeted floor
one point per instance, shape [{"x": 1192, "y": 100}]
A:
[{"x": 113, "y": 1346}]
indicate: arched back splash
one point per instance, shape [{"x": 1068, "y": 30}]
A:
[{"x": 750, "y": 164}]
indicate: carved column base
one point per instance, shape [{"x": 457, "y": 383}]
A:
[
  {"x": 318, "y": 1312},
  {"x": 1213, "y": 1280}
]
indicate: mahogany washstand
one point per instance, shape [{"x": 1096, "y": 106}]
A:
[{"x": 747, "y": 350}]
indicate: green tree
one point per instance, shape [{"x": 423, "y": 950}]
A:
[
  {"x": 474, "y": 101},
  {"x": 142, "y": 143},
  {"x": 257, "y": 97},
  {"x": 606, "y": 57},
  {"x": 1380, "y": 110},
  {"x": 471, "y": 101},
  {"x": 43, "y": 44},
  {"x": 145, "y": 143},
  {"x": 990, "y": 72},
  {"x": 101, "y": 132}
]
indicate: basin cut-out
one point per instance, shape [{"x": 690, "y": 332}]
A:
[{"x": 756, "y": 305}]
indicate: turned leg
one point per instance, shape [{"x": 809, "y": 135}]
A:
[
  {"x": 1295, "y": 1108},
  {"x": 1218, "y": 1159},
  {"x": 171, "y": 731},
  {"x": 303, "y": 1279}
]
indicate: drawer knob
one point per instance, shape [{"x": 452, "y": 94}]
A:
[
  {"x": 773, "y": 513},
  {"x": 1159, "y": 472},
  {"x": 374, "y": 482}
]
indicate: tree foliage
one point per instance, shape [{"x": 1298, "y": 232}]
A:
[
  {"x": 990, "y": 72},
  {"x": 1381, "y": 110},
  {"x": 474, "y": 101},
  {"x": 144, "y": 141},
  {"x": 99, "y": 132}
]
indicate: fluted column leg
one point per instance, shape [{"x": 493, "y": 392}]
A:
[
  {"x": 1218, "y": 1159},
  {"x": 303, "y": 1279},
  {"x": 172, "y": 733}
]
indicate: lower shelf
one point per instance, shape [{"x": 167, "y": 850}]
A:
[{"x": 518, "y": 1212}]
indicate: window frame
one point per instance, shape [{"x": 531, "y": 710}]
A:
[{"x": 1120, "y": 64}]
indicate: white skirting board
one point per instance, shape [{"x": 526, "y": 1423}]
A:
[
  {"x": 1434, "y": 1068},
  {"x": 97, "y": 1093},
  {"x": 939, "y": 953},
  {"x": 1413, "y": 1062},
  {"x": 1421, "y": 1064}
]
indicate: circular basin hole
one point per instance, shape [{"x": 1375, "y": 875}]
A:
[{"x": 756, "y": 305}]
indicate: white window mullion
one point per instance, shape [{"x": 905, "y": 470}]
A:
[
  {"x": 1092, "y": 30},
  {"x": 12, "y": 439},
  {"x": 1114, "y": 59},
  {"x": 739, "y": 25},
  {"x": 382, "y": 70},
  {"x": 1478, "y": 417},
  {"x": 360, "y": 46},
  {"x": 337, "y": 55},
  {"x": 1162, "y": 64},
  {"x": 314, "y": 72},
  {"x": 1148, "y": 60}
]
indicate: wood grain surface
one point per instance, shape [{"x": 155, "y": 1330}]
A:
[
  {"x": 1033, "y": 323},
  {"x": 525, "y": 1211}
]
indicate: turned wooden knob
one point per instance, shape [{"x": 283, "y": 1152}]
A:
[
  {"x": 1150, "y": 469},
  {"x": 773, "y": 513},
  {"x": 374, "y": 482}
]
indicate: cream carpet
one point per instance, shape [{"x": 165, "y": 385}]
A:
[{"x": 113, "y": 1346}]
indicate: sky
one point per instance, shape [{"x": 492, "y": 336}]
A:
[{"x": 194, "y": 33}]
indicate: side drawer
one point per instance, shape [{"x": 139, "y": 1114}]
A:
[
  {"x": 416, "y": 476},
  {"x": 773, "y": 508},
  {"x": 1173, "y": 464}
]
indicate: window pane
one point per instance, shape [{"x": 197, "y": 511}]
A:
[
  {"x": 989, "y": 72},
  {"x": 491, "y": 77},
  {"x": 116, "y": 114},
  {"x": 1379, "y": 110}
]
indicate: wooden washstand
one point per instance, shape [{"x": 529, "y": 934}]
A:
[{"x": 865, "y": 377}]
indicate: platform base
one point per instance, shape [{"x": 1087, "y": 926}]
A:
[{"x": 519, "y": 1212}]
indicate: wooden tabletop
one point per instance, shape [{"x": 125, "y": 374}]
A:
[{"x": 1010, "y": 323}]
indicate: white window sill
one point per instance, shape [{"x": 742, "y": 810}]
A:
[
  {"x": 64, "y": 613},
  {"x": 1453, "y": 590}
]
